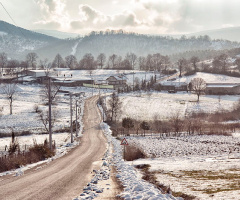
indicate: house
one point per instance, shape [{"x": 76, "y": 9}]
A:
[
  {"x": 223, "y": 88},
  {"x": 119, "y": 81},
  {"x": 36, "y": 73},
  {"x": 174, "y": 86}
]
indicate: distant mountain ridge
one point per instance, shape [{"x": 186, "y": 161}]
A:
[
  {"x": 17, "y": 42},
  {"x": 232, "y": 34}
]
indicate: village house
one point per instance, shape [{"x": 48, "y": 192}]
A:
[{"x": 118, "y": 82}]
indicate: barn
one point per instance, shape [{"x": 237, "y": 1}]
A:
[{"x": 223, "y": 88}]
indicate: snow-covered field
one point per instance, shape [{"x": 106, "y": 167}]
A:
[
  {"x": 202, "y": 145},
  {"x": 204, "y": 166},
  {"x": 209, "y": 78},
  {"x": 146, "y": 106},
  {"x": 102, "y": 74},
  {"x": 24, "y": 118}
]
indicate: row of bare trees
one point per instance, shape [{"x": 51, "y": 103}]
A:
[{"x": 156, "y": 62}]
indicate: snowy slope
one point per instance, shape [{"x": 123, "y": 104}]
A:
[{"x": 209, "y": 78}]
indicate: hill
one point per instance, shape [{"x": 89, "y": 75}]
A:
[{"x": 17, "y": 42}]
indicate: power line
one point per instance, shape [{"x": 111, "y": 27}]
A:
[{"x": 12, "y": 19}]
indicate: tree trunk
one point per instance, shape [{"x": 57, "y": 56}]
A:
[{"x": 10, "y": 105}]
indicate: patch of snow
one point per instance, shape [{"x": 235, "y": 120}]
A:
[{"x": 74, "y": 48}]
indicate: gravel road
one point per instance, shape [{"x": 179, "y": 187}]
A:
[{"x": 65, "y": 177}]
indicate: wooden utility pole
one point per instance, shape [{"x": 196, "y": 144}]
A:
[
  {"x": 50, "y": 112},
  {"x": 71, "y": 117},
  {"x": 76, "y": 119}
]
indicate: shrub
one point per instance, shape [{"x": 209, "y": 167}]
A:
[{"x": 133, "y": 153}]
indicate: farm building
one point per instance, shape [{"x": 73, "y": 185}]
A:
[
  {"x": 36, "y": 73},
  {"x": 117, "y": 81},
  {"x": 223, "y": 88},
  {"x": 177, "y": 86}
]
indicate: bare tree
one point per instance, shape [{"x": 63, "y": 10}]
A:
[
  {"x": 58, "y": 61},
  {"x": 149, "y": 63},
  {"x": 44, "y": 118},
  {"x": 220, "y": 63},
  {"x": 12, "y": 66},
  {"x": 115, "y": 105},
  {"x": 88, "y": 62},
  {"x": 31, "y": 60},
  {"x": 132, "y": 58},
  {"x": 177, "y": 122},
  {"x": 145, "y": 126},
  {"x": 157, "y": 62},
  {"x": 127, "y": 123},
  {"x": 142, "y": 62},
  {"x": 23, "y": 65},
  {"x": 112, "y": 60},
  {"x": 181, "y": 65},
  {"x": 71, "y": 61},
  {"x": 194, "y": 60},
  {"x": 237, "y": 62},
  {"x": 3, "y": 60},
  {"x": 198, "y": 86},
  {"x": 46, "y": 66},
  {"x": 9, "y": 90},
  {"x": 101, "y": 59}
]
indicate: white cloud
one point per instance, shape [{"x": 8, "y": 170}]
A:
[
  {"x": 53, "y": 12},
  {"x": 89, "y": 17},
  {"x": 145, "y": 16}
]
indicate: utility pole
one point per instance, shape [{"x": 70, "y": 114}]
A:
[
  {"x": 50, "y": 112},
  {"x": 71, "y": 117},
  {"x": 76, "y": 118},
  {"x": 133, "y": 80}
]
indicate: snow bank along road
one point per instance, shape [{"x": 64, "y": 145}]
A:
[{"x": 65, "y": 177}]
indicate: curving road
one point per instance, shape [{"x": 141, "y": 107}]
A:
[{"x": 65, "y": 177}]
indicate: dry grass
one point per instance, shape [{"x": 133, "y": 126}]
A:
[
  {"x": 17, "y": 159},
  {"x": 133, "y": 153},
  {"x": 151, "y": 178}
]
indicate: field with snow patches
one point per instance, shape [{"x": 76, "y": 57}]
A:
[
  {"x": 204, "y": 166},
  {"x": 145, "y": 106}
]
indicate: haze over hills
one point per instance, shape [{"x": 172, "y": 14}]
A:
[
  {"x": 232, "y": 34},
  {"x": 57, "y": 34},
  {"x": 17, "y": 42}
]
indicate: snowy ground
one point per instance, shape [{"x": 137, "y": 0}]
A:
[
  {"x": 102, "y": 74},
  {"x": 209, "y": 78},
  {"x": 204, "y": 166},
  {"x": 145, "y": 106},
  {"x": 24, "y": 118},
  {"x": 134, "y": 186}
]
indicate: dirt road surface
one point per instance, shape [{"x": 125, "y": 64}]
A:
[{"x": 65, "y": 177}]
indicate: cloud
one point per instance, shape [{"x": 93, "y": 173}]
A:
[
  {"x": 148, "y": 16},
  {"x": 188, "y": 15},
  {"x": 53, "y": 12},
  {"x": 90, "y": 17}
]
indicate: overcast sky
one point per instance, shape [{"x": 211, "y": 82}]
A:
[{"x": 141, "y": 16}]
